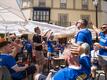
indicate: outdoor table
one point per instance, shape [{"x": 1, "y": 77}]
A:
[
  {"x": 58, "y": 61},
  {"x": 103, "y": 57}
]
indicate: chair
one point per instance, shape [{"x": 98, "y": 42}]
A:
[{"x": 99, "y": 74}]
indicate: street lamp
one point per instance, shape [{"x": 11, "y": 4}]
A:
[{"x": 95, "y": 3}]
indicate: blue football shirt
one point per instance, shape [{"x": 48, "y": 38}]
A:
[
  {"x": 75, "y": 74},
  {"x": 103, "y": 42},
  {"x": 7, "y": 60},
  {"x": 84, "y": 35},
  {"x": 70, "y": 74},
  {"x": 50, "y": 46}
]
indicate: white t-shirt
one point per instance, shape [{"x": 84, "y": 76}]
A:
[{"x": 94, "y": 54}]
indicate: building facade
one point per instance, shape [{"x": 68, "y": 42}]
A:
[
  {"x": 104, "y": 9},
  {"x": 62, "y": 12}
]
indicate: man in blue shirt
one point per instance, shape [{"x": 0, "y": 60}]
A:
[
  {"x": 84, "y": 35},
  {"x": 28, "y": 47},
  {"x": 102, "y": 45},
  {"x": 7, "y": 60},
  {"x": 74, "y": 70}
]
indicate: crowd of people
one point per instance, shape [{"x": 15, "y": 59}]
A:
[{"x": 23, "y": 58}]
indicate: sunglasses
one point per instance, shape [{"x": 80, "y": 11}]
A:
[{"x": 103, "y": 27}]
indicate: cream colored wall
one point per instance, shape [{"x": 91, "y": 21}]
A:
[
  {"x": 56, "y": 3},
  {"x": 74, "y": 15},
  {"x": 90, "y": 5},
  {"x": 104, "y": 14},
  {"x": 48, "y": 3},
  {"x": 28, "y": 13},
  {"x": 69, "y": 3},
  {"x": 78, "y": 4},
  {"x": 35, "y": 3}
]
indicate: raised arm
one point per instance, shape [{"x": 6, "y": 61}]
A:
[
  {"x": 97, "y": 30},
  {"x": 45, "y": 34}
]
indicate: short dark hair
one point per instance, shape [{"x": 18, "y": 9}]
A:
[
  {"x": 104, "y": 24},
  {"x": 4, "y": 43},
  {"x": 85, "y": 22},
  {"x": 35, "y": 29}
]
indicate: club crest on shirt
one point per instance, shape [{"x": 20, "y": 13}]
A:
[
  {"x": 103, "y": 40},
  {"x": 81, "y": 77}
]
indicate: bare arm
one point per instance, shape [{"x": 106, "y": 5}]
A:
[
  {"x": 100, "y": 46},
  {"x": 96, "y": 29},
  {"x": 17, "y": 68},
  {"x": 45, "y": 34}
]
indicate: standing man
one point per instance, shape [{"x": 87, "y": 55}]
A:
[
  {"x": 37, "y": 41},
  {"x": 84, "y": 35},
  {"x": 102, "y": 45}
]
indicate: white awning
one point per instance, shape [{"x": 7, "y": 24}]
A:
[
  {"x": 11, "y": 28},
  {"x": 10, "y": 11},
  {"x": 57, "y": 30}
]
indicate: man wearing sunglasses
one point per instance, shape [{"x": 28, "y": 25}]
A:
[
  {"x": 102, "y": 45},
  {"x": 84, "y": 34}
]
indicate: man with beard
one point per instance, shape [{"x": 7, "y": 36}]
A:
[{"x": 102, "y": 45}]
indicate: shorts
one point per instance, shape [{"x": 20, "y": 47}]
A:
[{"x": 40, "y": 59}]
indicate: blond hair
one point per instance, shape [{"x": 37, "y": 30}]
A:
[{"x": 86, "y": 48}]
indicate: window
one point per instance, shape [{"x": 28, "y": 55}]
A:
[
  {"x": 63, "y": 20},
  {"x": 42, "y": 3},
  {"x": 99, "y": 4},
  {"x": 25, "y": 3},
  {"x": 84, "y": 4},
  {"x": 42, "y": 15},
  {"x": 63, "y": 3}
]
